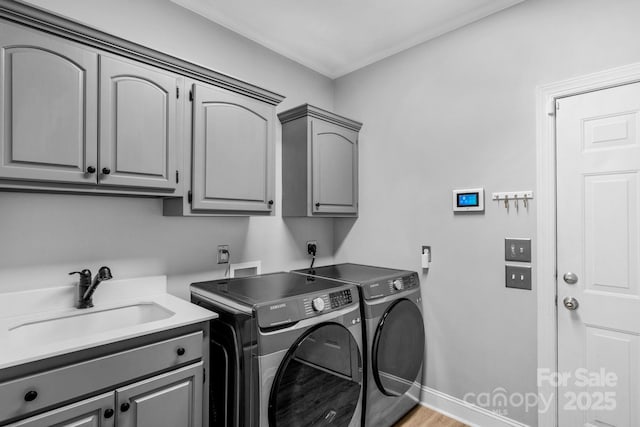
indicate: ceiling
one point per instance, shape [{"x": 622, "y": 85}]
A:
[{"x": 335, "y": 37}]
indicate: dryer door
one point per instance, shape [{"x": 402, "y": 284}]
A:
[
  {"x": 319, "y": 381},
  {"x": 398, "y": 348}
]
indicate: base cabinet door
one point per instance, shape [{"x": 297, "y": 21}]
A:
[
  {"x": 233, "y": 152},
  {"x": 48, "y": 108},
  {"x": 168, "y": 400},
  {"x": 95, "y": 412},
  {"x": 138, "y": 120}
]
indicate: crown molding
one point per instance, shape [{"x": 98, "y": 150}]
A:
[{"x": 306, "y": 110}]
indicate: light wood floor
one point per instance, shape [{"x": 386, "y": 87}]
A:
[{"x": 425, "y": 417}]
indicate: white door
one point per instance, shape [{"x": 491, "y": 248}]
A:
[{"x": 598, "y": 155}]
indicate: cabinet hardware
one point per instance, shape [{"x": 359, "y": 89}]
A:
[
  {"x": 108, "y": 413},
  {"x": 91, "y": 169},
  {"x": 181, "y": 351},
  {"x": 318, "y": 205},
  {"x": 270, "y": 203},
  {"x": 178, "y": 92},
  {"x": 177, "y": 177},
  {"x": 125, "y": 407},
  {"x": 190, "y": 95},
  {"x": 106, "y": 171},
  {"x": 30, "y": 396},
  {"x": 189, "y": 196}
]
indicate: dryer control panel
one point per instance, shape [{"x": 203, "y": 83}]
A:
[{"x": 390, "y": 286}]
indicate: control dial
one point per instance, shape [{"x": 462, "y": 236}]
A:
[
  {"x": 397, "y": 285},
  {"x": 317, "y": 304}
]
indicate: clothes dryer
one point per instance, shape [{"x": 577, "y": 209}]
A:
[{"x": 391, "y": 307}]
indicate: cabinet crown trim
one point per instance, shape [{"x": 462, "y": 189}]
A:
[
  {"x": 39, "y": 19},
  {"x": 307, "y": 110}
]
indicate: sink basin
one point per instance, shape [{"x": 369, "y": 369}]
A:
[{"x": 87, "y": 322}]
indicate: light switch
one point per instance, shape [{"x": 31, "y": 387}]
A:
[
  {"x": 517, "y": 250},
  {"x": 518, "y": 277}
]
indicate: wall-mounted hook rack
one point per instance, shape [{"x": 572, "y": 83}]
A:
[{"x": 508, "y": 196}]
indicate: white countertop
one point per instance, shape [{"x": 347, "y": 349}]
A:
[{"x": 18, "y": 309}]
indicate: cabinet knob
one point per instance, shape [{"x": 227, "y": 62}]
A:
[
  {"x": 91, "y": 169},
  {"x": 317, "y": 204},
  {"x": 30, "y": 396},
  {"x": 181, "y": 351},
  {"x": 106, "y": 171},
  {"x": 108, "y": 413},
  {"x": 125, "y": 407},
  {"x": 270, "y": 202}
]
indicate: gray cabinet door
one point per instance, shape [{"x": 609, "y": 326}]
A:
[
  {"x": 233, "y": 152},
  {"x": 168, "y": 400},
  {"x": 86, "y": 413},
  {"x": 48, "y": 107},
  {"x": 138, "y": 107},
  {"x": 334, "y": 164}
]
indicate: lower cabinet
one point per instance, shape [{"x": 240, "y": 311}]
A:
[
  {"x": 167, "y": 400},
  {"x": 95, "y": 412}
]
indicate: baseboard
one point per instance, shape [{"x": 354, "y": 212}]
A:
[{"x": 463, "y": 411}]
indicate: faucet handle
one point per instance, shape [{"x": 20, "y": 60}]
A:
[{"x": 85, "y": 275}]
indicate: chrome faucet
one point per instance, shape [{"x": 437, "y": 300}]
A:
[{"x": 86, "y": 286}]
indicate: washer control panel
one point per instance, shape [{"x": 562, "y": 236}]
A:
[
  {"x": 291, "y": 310},
  {"x": 342, "y": 298},
  {"x": 390, "y": 286}
]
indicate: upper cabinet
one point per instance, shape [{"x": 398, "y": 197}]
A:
[
  {"x": 64, "y": 121},
  {"x": 233, "y": 152},
  {"x": 138, "y": 125},
  {"x": 48, "y": 102},
  {"x": 319, "y": 163},
  {"x": 84, "y": 111}
]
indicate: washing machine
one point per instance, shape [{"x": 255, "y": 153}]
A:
[
  {"x": 394, "y": 337},
  {"x": 286, "y": 351}
]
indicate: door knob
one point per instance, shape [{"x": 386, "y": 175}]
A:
[
  {"x": 570, "y": 303},
  {"x": 570, "y": 278}
]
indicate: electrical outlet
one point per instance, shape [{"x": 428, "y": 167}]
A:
[
  {"x": 312, "y": 247},
  {"x": 223, "y": 254}
]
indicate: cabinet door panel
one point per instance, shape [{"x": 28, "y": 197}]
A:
[
  {"x": 87, "y": 413},
  {"x": 168, "y": 400},
  {"x": 48, "y": 94},
  {"x": 233, "y": 152},
  {"x": 334, "y": 168},
  {"x": 138, "y": 108}
]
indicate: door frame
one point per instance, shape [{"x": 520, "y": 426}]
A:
[{"x": 546, "y": 96}]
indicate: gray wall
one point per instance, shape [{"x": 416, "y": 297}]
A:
[
  {"x": 46, "y": 236},
  {"x": 459, "y": 112}
]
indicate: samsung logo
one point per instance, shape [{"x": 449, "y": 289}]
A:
[{"x": 277, "y": 306}]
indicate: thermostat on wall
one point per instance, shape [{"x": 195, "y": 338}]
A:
[{"x": 469, "y": 200}]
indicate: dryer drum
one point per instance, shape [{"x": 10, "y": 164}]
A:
[
  {"x": 398, "y": 348},
  {"x": 319, "y": 381}
]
